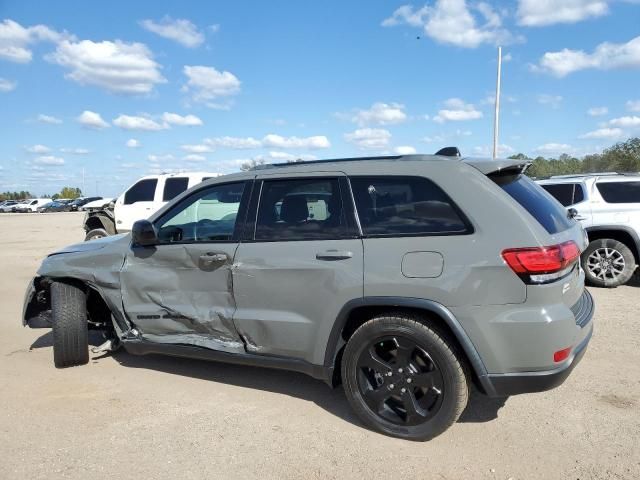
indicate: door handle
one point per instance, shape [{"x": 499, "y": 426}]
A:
[
  {"x": 331, "y": 255},
  {"x": 210, "y": 258}
]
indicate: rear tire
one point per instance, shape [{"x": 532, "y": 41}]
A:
[
  {"x": 70, "y": 327},
  {"x": 608, "y": 263},
  {"x": 417, "y": 392},
  {"x": 95, "y": 234}
]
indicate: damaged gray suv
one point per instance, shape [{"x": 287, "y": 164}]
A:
[{"x": 407, "y": 279}]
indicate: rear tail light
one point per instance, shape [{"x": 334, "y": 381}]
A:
[
  {"x": 542, "y": 264},
  {"x": 561, "y": 355}
]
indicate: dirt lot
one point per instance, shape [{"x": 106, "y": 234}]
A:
[{"x": 152, "y": 417}]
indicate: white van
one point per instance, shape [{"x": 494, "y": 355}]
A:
[{"x": 32, "y": 205}]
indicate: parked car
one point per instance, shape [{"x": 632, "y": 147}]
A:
[
  {"x": 55, "y": 206},
  {"x": 31, "y": 205},
  {"x": 79, "y": 202},
  {"x": 8, "y": 205},
  {"x": 415, "y": 277},
  {"x": 145, "y": 197},
  {"x": 100, "y": 204},
  {"x": 608, "y": 207}
]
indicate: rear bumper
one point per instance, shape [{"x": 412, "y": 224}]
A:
[{"x": 507, "y": 384}]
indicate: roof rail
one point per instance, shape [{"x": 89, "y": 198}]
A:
[{"x": 594, "y": 174}]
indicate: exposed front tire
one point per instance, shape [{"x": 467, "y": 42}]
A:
[
  {"x": 70, "y": 327},
  {"x": 95, "y": 234},
  {"x": 608, "y": 263},
  {"x": 403, "y": 378}
]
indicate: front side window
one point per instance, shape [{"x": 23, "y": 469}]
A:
[
  {"x": 619, "y": 192},
  {"x": 206, "y": 216},
  {"x": 300, "y": 209},
  {"x": 173, "y": 187},
  {"x": 392, "y": 206},
  {"x": 143, "y": 191}
]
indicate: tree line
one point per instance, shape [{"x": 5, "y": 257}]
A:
[
  {"x": 621, "y": 157},
  {"x": 66, "y": 192}
]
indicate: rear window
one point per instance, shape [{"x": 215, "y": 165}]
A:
[
  {"x": 398, "y": 206},
  {"x": 173, "y": 187},
  {"x": 535, "y": 201},
  {"x": 566, "y": 193},
  {"x": 620, "y": 192}
]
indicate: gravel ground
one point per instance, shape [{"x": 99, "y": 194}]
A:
[{"x": 122, "y": 416}]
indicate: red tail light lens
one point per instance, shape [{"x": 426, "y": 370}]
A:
[
  {"x": 561, "y": 355},
  {"x": 541, "y": 260}
]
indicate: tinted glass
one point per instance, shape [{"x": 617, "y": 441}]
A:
[
  {"x": 207, "y": 216},
  {"x": 405, "y": 206},
  {"x": 173, "y": 187},
  {"x": 143, "y": 191},
  {"x": 578, "y": 193},
  {"x": 563, "y": 192},
  {"x": 300, "y": 209},
  {"x": 620, "y": 192},
  {"x": 535, "y": 201}
]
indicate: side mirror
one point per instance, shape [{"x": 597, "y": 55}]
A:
[{"x": 143, "y": 234}]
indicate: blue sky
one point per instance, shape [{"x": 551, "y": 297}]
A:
[{"x": 122, "y": 89}]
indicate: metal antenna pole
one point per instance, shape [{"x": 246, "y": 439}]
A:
[{"x": 496, "y": 117}]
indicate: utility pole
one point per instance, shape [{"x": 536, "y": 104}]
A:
[
  {"x": 496, "y": 117},
  {"x": 83, "y": 181}
]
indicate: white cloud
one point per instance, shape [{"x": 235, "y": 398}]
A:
[
  {"x": 16, "y": 40},
  {"x": 369, "y": 138},
  {"x": 314, "y": 142},
  {"x": 404, "y": 150},
  {"x": 49, "y": 160},
  {"x": 215, "y": 28},
  {"x": 206, "y": 84},
  {"x": 89, "y": 119},
  {"x": 7, "y": 85},
  {"x": 236, "y": 143},
  {"x": 537, "y": 13},
  {"x": 597, "y": 111},
  {"x": 456, "y": 110},
  {"x": 175, "y": 119},
  {"x": 626, "y": 122},
  {"x": 160, "y": 158},
  {"x": 553, "y": 101},
  {"x": 506, "y": 58},
  {"x": 133, "y": 143},
  {"x": 453, "y": 22},
  {"x": 197, "y": 148},
  {"x": 380, "y": 114},
  {"x": 38, "y": 149},
  {"x": 194, "y": 158},
  {"x": 487, "y": 151},
  {"x": 129, "y": 122},
  {"x": 118, "y": 67},
  {"x": 633, "y": 105},
  {"x": 606, "y": 56},
  {"x": 75, "y": 151},
  {"x": 608, "y": 133},
  {"x": 180, "y": 30},
  {"x": 553, "y": 148},
  {"x": 48, "y": 119}
]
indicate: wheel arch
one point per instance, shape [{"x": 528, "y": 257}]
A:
[
  {"x": 622, "y": 233},
  {"x": 356, "y": 312},
  {"x": 100, "y": 220}
]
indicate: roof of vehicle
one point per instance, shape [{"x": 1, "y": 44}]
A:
[
  {"x": 181, "y": 174},
  {"x": 600, "y": 176}
]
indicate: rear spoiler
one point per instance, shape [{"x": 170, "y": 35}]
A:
[{"x": 499, "y": 166}]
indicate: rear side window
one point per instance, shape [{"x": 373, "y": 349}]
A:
[
  {"x": 143, "y": 191},
  {"x": 173, "y": 187},
  {"x": 535, "y": 201},
  {"x": 301, "y": 209},
  {"x": 620, "y": 192},
  {"x": 566, "y": 193},
  {"x": 392, "y": 206}
]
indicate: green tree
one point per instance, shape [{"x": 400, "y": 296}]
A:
[{"x": 70, "y": 192}]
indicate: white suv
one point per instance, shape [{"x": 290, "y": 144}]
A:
[
  {"x": 608, "y": 207},
  {"x": 145, "y": 197}
]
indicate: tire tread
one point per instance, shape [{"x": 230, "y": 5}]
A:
[{"x": 70, "y": 328}]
